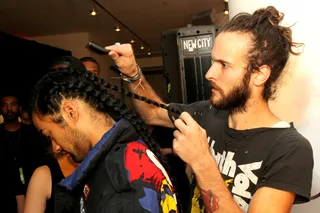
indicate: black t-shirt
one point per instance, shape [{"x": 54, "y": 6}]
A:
[
  {"x": 28, "y": 148},
  {"x": 164, "y": 137},
  {"x": 56, "y": 177},
  {"x": 11, "y": 185},
  {"x": 279, "y": 158}
]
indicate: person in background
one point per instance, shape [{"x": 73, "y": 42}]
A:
[
  {"x": 63, "y": 62},
  {"x": 91, "y": 65},
  {"x": 26, "y": 145},
  {"x": 241, "y": 157},
  {"x": 13, "y": 198},
  {"x": 40, "y": 193},
  {"x": 25, "y": 117}
]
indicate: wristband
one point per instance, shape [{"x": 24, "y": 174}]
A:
[{"x": 133, "y": 78}]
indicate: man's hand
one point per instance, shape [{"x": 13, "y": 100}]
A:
[
  {"x": 190, "y": 142},
  {"x": 124, "y": 58}
]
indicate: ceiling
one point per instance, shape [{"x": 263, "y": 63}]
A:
[{"x": 146, "y": 18}]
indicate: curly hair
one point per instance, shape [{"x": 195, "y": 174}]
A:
[{"x": 271, "y": 43}]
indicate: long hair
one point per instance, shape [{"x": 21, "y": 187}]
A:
[
  {"x": 271, "y": 43},
  {"x": 73, "y": 83}
]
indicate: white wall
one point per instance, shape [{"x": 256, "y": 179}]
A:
[{"x": 299, "y": 96}]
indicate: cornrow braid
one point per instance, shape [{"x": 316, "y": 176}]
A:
[
  {"x": 129, "y": 94},
  {"x": 73, "y": 83},
  {"x": 140, "y": 126}
]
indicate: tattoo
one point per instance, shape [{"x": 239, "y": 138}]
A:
[{"x": 210, "y": 200}]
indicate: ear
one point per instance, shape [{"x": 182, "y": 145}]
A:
[
  {"x": 70, "y": 111},
  {"x": 261, "y": 75}
]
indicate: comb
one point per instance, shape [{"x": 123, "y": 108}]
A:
[{"x": 97, "y": 48}]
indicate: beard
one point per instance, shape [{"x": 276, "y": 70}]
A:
[
  {"x": 79, "y": 145},
  {"x": 236, "y": 100},
  {"x": 10, "y": 117}
]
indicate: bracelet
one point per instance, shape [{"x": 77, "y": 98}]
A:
[{"x": 133, "y": 78}]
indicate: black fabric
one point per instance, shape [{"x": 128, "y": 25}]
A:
[
  {"x": 279, "y": 158},
  {"x": 64, "y": 200},
  {"x": 10, "y": 179},
  {"x": 105, "y": 177},
  {"x": 14, "y": 138},
  {"x": 29, "y": 150},
  {"x": 118, "y": 195},
  {"x": 164, "y": 137},
  {"x": 23, "y": 63},
  {"x": 56, "y": 177}
]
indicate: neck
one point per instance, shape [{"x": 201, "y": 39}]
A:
[
  {"x": 257, "y": 114},
  {"x": 96, "y": 131},
  {"x": 11, "y": 126},
  {"x": 67, "y": 165}
]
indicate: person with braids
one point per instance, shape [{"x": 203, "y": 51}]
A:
[
  {"x": 41, "y": 190},
  {"x": 121, "y": 168},
  {"x": 241, "y": 157}
]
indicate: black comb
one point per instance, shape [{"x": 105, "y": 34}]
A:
[{"x": 97, "y": 48}]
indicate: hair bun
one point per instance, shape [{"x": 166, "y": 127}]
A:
[{"x": 271, "y": 14}]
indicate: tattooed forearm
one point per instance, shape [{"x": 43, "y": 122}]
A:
[{"x": 210, "y": 200}]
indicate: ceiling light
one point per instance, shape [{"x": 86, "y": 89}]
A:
[
  {"x": 118, "y": 23},
  {"x": 93, "y": 12},
  {"x": 226, "y": 12},
  {"x": 117, "y": 29},
  {"x": 225, "y": 0}
]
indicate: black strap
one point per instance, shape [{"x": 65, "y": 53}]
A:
[{"x": 315, "y": 196}]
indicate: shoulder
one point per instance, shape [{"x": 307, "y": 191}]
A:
[
  {"x": 137, "y": 154},
  {"x": 132, "y": 166},
  {"x": 143, "y": 165},
  {"x": 145, "y": 171},
  {"x": 291, "y": 155},
  {"x": 141, "y": 161},
  {"x": 136, "y": 159},
  {"x": 28, "y": 128},
  {"x": 40, "y": 181},
  {"x": 288, "y": 143},
  {"x": 291, "y": 138},
  {"x": 42, "y": 173}
]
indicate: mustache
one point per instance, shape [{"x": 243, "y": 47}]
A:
[{"x": 215, "y": 86}]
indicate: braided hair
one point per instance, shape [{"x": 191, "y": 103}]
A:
[{"x": 74, "y": 83}]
